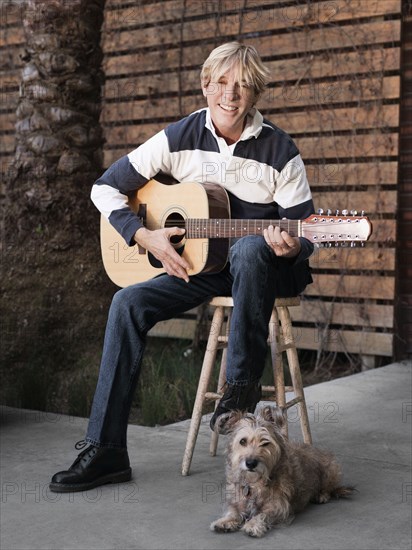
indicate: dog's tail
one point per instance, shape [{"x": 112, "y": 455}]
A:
[{"x": 343, "y": 491}]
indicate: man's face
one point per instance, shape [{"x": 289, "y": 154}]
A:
[{"x": 229, "y": 102}]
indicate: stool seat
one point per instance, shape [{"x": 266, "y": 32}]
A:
[
  {"x": 280, "y": 340},
  {"x": 227, "y": 301}
]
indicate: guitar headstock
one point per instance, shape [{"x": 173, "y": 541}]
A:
[{"x": 324, "y": 228}]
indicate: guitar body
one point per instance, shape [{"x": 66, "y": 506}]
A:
[{"x": 162, "y": 205}]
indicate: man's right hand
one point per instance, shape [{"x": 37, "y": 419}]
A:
[{"x": 157, "y": 242}]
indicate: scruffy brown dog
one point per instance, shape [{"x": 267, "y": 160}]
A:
[{"x": 268, "y": 478}]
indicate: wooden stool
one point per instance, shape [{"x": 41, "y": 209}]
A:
[{"x": 280, "y": 340}]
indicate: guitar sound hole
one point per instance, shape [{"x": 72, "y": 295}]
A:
[{"x": 175, "y": 220}]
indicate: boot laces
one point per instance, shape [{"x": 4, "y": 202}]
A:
[
  {"x": 86, "y": 453},
  {"x": 80, "y": 445}
]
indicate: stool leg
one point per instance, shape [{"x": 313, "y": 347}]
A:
[
  {"x": 222, "y": 379},
  {"x": 208, "y": 363},
  {"x": 275, "y": 341},
  {"x": 294, "y": 369},
  {"x": 221, "y": 382}
]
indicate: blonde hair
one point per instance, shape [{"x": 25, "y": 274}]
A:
[{"x": 251, "y": 69}]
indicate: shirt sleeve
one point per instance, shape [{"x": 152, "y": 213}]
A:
[
  {"x": 111, "y": 192},
  {"x": 294, "y": 198}
]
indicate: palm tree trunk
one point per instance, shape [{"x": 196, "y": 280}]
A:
[{"x": 54, "y": 291}]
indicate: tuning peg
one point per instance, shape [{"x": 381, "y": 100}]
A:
[
  {"x": 320, "y": 211},
  {"x": 337, "y": 213},
  {"x": 344, "y": 212},
  {"x": 329, "y": 212},
  {"x": 352, "y": 244},
  {"x": 362, "y": 213},
  {"x": 354, "y": 212}
]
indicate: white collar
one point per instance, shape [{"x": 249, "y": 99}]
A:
[{"x": 254, "y": 121}]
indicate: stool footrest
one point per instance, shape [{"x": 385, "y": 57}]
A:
[
  {"x": 284, "y": 347},
  {"x": 271, "y": 389},
  {"x": 212, "y": 395},
  {"x": 293, "y": 402},
  {"x": 280, "y": 348}
]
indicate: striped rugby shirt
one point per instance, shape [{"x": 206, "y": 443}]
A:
[{"x": 262, "y": 172}]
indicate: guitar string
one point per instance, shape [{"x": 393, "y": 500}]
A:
[{"x": 197, "y": 226}]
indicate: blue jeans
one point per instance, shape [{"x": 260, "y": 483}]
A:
[{"x": 252, "y": 276}]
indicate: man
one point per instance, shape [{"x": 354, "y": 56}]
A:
[{"x": 230, "y": 144}]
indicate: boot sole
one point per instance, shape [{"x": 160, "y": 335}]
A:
[{"x": 117, "y": 477}]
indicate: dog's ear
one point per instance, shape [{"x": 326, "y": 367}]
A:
[
  {"x": 274, "y": 415},
  {"x": 226, "y": 422}
]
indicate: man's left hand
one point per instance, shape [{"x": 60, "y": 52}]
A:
[{"x": 281, "y": 242}]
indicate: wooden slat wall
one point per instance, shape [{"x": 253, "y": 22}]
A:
[{"x": 335, "y": 89}]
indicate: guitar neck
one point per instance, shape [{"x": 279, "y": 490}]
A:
[{"x": 226, "y": 228}]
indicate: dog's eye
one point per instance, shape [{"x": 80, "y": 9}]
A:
[
  {"x": 264, "y": 443},
  {"x": 243, "y": 442}
]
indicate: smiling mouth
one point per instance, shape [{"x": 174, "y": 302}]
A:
[{"x": 228, "y": 108}]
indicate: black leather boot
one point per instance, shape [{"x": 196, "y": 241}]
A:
[
  {"x": 93, "y": 467},
  {"x": 238, "y": 398}
]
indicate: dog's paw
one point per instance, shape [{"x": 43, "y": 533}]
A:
[
  {"x": 323, "y": 498},
  {"x": 255, "y": 527},
  {"x": 225, "y": 525}
]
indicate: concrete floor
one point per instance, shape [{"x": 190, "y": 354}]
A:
[{"x": 365, "y": 419}]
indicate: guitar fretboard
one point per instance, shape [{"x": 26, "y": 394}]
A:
[{"x": 226, "y": 228}]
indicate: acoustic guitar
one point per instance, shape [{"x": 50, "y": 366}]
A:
[{"x": 203, "y": 210}]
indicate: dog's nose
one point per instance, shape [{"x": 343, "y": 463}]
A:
[{"x": 251, "y": 463}]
